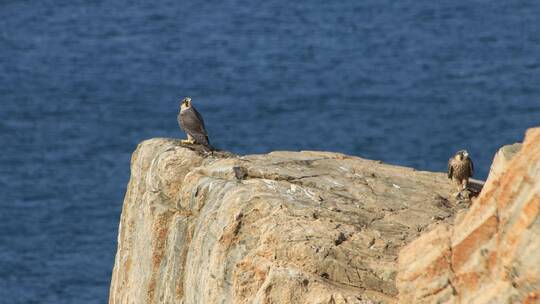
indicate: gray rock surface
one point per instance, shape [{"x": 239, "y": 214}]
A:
[{"x": 284, "y": 227}]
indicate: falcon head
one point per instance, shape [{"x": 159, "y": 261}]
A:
[
  {"x": 185, "y": 103},
  {"x": 462, "y": 154}
]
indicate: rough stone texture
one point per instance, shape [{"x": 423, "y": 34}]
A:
[
  {"x": 297, "y": 227},
  {"x": 502, "y": 159},
  {"x": 492, "y": 253}
]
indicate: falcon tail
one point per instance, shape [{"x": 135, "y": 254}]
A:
[
  {"x": 208, "y": 148},
  {"x": 203, "y": 141}
]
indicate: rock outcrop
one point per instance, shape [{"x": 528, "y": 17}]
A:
[
  {"x": 318, "y": 227},
  {"x": 300, "y": 227},
  {"x": 492, "y": 253},
  {"x": 502, "y": 159}
]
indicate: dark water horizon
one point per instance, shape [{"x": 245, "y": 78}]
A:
[{"x": 83, "y": 82}]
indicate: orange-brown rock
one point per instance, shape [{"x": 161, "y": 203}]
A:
[
  {"x": 502, "y": 159},
  {"x": 285, "y": 227},
  {"x": 492, "y": 254}
]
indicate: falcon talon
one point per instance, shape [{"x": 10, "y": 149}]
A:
[{"x": 466, "y": 194}]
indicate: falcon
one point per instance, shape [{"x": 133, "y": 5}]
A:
[
  {"x": 191, "y": 122},
  {"x": 460, "y": 169}
]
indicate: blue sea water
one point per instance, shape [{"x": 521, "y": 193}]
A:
[{"x": 408, "y": 82}]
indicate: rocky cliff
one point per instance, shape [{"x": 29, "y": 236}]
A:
[
  {"x": 317, "y": 227},
  {"x": 492, "y": 253},
  {"x": 285, "y": 227}
]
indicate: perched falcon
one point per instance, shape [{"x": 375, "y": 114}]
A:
[
  {"x": 192, "y": 123},
  {"x": 460, "y": 169}
]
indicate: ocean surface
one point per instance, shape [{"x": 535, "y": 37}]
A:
[{"x": 407, "y": 82}]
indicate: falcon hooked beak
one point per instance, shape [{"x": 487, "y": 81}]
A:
[
  {"x": 185, "y": 103},
  {"x": 463, "y": 154}
]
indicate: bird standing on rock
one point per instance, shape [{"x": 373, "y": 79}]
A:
[
  {"x": 460, "y": 169},
  {"x": 191, "y": 122}
]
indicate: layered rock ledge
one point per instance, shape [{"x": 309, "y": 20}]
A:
[
  {"x": 491, "y": 254},
  {"x": 287, "y": 227},
  {"x": 318, "y": 227}
]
